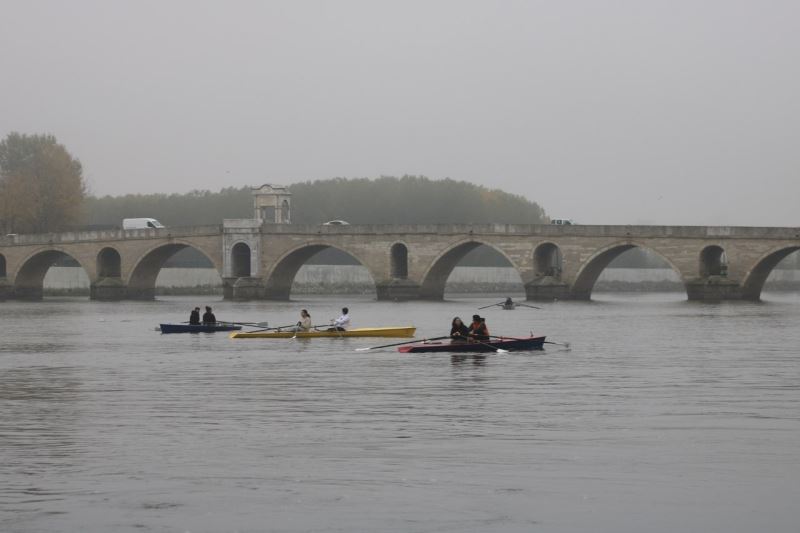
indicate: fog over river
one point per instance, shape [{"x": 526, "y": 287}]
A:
[{"x": 664, "y": 415}]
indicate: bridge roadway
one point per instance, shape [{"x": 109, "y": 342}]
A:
[{"x": 406, "y": 262}]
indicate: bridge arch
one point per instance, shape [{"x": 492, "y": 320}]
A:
[
  {"x": 547, "y": 260},
  {"x": 590, "y": 270},
  {"x": 757, "y": 275},
  {"x": 713, "y": 261},
  {"x": 434, "y": 280},
  {"x": 29, "y": 279},
  {"x": 279, "y": 280},
  {"x": 241, "y": 257},
  {"x": 109, "y": 263},
  {"x": 143, "y": 276},
  {"x": 399, "y": 260}
]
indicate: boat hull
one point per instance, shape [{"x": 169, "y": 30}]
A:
[
  {"x": 510, "y": 344},
  {"x": 399, "y": 332},
  {"x": 198, "y": 328}
]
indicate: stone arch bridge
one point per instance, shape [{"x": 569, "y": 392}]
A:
[{"x": 259, "y": 261}]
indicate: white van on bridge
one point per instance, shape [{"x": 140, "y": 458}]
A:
[{"x": 141, "y": 223}]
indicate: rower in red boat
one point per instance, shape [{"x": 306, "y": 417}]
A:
[
  {"x": 478, "y": 330},
  {"x": 459, "y": 332}
]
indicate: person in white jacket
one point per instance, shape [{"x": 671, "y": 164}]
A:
[
  {"x": 343, "y": 322},
  {"x": 305, "y": 321}
]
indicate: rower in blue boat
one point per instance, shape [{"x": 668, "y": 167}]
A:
[
  {"x": 208, "y": 316},
  {"x": 194, "y": 317}
]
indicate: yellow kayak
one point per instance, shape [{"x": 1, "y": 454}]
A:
[{"x": 401, "y": 331}]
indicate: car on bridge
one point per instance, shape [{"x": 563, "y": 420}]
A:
[{"x": 336, "y": 223}]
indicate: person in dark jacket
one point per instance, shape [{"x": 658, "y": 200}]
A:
[
  {"x": 459, "y": 332},
  {"x": 194, "y": 317},
  {"x": 478, "y": 330},
  {"x": 208, "y": 317}
]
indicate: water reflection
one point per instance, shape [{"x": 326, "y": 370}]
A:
[{"x": 474, "y": 359}]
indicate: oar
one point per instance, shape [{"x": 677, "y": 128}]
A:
[
  {"x": 526, "y": 305},
  {"x": 399, "y": 343},
  {"x": 251, "y": 324},
  {"x": 485, "y": 306},
  {"x": 564, "y": 344},
  {"x": 498, "y": 350},
  {"x": 297, "y": 329},
  {"x": 476, "y": 341},
  {"x": 271, "y": 329}
]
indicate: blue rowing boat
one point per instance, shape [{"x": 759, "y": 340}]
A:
[{"x": 199, "y": 328}]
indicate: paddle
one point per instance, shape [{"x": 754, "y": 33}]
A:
[
  {"x": 399, "y": 344},
  {"x": 485, "y": 306}
]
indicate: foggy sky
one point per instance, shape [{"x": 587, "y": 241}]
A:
[{"x": 674, "y": 112}]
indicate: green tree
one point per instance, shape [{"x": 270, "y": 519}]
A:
[{"x": 41, "y": 185}]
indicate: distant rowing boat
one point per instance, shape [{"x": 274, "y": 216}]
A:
[
  {"x": 502, "y": 343},
  {"x": 401, "y": 331},
  {"x": 198, "y": 328}
]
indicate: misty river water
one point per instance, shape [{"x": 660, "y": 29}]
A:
[{"x": 664, "y": 415}]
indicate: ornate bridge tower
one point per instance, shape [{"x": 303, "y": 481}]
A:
[
  {"x": 241, "y": 242},
  {"x": 273, "y": 204}
]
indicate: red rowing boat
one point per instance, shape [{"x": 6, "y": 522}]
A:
[{"x": 497, "y": 343}]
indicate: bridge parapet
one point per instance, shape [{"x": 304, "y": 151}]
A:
[
  {"x": 542, "y": 230},
  {"x": 70, "y": 237}
]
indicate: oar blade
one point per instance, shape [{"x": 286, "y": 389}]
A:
[{"x": 400, "y": 343}]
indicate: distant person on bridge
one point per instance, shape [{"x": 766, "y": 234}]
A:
[
  {"x": 478, "y": 330},
  {"x": 208, "y": 317},
  {"x": 194, "y": 317},
  {"x": 459, "y": 332},
  {"x": 305, "y": 321},
  {"x": 343, "y": 322}
]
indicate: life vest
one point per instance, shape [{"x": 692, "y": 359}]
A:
[{"x": 479, "y": 328}]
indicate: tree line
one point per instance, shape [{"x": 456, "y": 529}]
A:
[
  {"x": 42, "y": 190},
  {"x": 385, "y": 200}
]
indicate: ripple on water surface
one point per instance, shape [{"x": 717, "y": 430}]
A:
[{"x": 665, "y": 415}]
